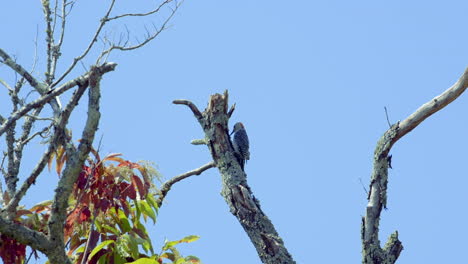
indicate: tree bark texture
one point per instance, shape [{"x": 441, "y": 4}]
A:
[
  {"x": 372, "y": 253},
  {"x": 236, "y": 192}
]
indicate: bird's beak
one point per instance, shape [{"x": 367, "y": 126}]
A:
[{"x": 231, "y": 132}]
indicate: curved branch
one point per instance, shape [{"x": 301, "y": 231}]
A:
[
  {"x": 434, "y": 105},
  {"x": 191, "y": 105},
  {"x": 141, "y": 14},
  {"x": 166, "y": 187},
  {"x": 377, "y": 196}
]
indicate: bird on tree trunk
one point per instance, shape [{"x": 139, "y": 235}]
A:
[{"x": 240, "y": 142}]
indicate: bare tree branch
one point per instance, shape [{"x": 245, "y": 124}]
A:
[
  {"x": 142, "y": 14},
  {"x": 12, "y": 175},
  {"x": 73, "y": 167},
  {"x": 198, "y": 142},
  {"x": 166, "y": 187},
  {"x": 82, "y": 80},
  {"x": 377, "y": 196},
  {"x": 40, "y": 87},
  {"x": 7, "y": 60},
  {"x": 90, "y": 45},
  {"x": 192, "y": 107},
  {"x": 55, "y": 141},
  {"x": 24, "y": 235},
  {"x": 236, "y": 192},
  {"x": 231, "y": 110},
  {"x": 148, "y": 38},
  {"x": 49, "y": 40}
]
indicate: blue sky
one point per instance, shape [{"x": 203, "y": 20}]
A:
[{"x": 310, "y": 80}]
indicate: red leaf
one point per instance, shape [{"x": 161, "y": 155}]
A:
[
  {"x": 70, "y": 222},
  {"x": 136, "y": 181},
  {"x": 114, "y": 157},
  {"x": 104, "y": 205},
  {"x": 127, "y": 190},
  {"x": 84, "y": 215},
  {"x": 11, "y": 251}
]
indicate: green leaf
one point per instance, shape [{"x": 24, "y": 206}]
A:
[
  {"x": 99, "y": 247},
  {"x": 150, "y": 199},
  {"x": 144, "y": 261},
  {"x": 186, "y": 239},
  {"x": 80, "y": 249},
  {"x": 133, "y": 246},
  {"x": 147, "y": 246},
  {"x": 137, "y": 208},
  {"x": 192, "y": 259},
  {"x": 189, "y": 239},
  {"x": 123, "y": 223},
  {"x": 145, "y": 207},
  {"x": 119, "y": 259},
  {"x": 103, "y": 259},
  {"x": 111, "y": 229},
  {"x": 180, "y": 261}
]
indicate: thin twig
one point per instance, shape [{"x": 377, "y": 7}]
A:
[
  {"x": 363, "y": 186},
  {"x": 142, "y": 14},
  {"x": 148, "y": 38},
  {"x": 87, "y": 242},
  {"x": 168, "y": 184},
  {"x": 231, "y": 110},
  {"x": 386, "y": 115},
  {"x": 39, "y": 133},
  {"x": 90, "y": 45}
]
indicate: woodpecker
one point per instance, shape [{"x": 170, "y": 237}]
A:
[{"x": 240, "y": 142}]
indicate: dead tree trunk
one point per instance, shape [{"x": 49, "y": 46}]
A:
[{"x": 237, "y": 193}]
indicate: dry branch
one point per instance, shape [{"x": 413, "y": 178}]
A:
[
  {"x": 82, "y": 80},
  {"x": 377, "y": 197},
  {"x": 166, "y": 187},
  {"x": 236, "y": 192}
]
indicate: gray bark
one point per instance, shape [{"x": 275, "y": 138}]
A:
[
  {"x": 372, "y": 253},
  {"x": 236, "y": 192}
]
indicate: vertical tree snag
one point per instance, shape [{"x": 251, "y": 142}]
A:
[
  {"x": 238, "y": 195},
  {"x": 372, "y": 253}
]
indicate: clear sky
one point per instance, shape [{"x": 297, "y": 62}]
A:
[{"x": 310, "y": 80}]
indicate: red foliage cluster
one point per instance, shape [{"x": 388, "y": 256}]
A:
[{"x": 11, "y": 251}]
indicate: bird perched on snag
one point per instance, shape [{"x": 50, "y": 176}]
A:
[{"x": 240, "y": 142}]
